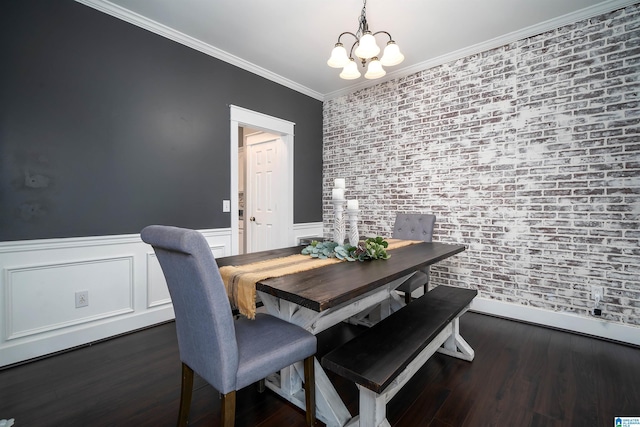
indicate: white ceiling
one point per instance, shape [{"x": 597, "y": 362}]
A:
[{"x": 289, "y": 41}]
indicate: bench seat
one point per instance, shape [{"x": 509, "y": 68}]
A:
[{"x": 383, "y": 358}]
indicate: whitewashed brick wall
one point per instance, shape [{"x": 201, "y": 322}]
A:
[{"x": 528, "y": 153}]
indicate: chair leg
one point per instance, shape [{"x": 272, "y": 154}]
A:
[
  {"x": 229, "y": 409},
  {"x": 426, "y": 288},
  {"x": 185, "y": 395},
  {"x": 310, "y": 390},
  {"x": 407, "y": 297},
  {"x": 260, "y": 386}
]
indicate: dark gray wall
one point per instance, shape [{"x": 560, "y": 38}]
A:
[{"x": 106, "y": 127}]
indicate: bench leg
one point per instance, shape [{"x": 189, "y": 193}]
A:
[
  {"x": 456, "y": 346},
  {"x": 373, "y": 409}
]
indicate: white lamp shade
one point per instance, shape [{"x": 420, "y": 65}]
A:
[
  {"x": 367, "y": 48},
  {"x": 374, "y": 70},
  {"x": 338, "y": 57},
  {"x": 391, "y": 55},
  {"x": 350, "y": 71}
]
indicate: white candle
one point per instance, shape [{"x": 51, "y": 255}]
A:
[
  {"x": 352, "y": 204},
  {"x": 338, "y": 194},
  {"x": 339, "y": 183}
]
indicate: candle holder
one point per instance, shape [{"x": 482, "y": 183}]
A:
[
  {"x": 354, "y": 237},
  {"x": 338, "y": 221}
]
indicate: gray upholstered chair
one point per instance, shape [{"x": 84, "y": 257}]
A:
[
  {"x": 414, "y": 227},
  {"x": 229, "y": 354}
]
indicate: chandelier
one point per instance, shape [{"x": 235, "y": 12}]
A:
[{"x": 366, "y": 51}]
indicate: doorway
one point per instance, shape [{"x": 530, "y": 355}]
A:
[{"x": 281, "y": 134}]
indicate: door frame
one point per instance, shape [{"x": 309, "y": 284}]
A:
[{"x": 242, "y": 117}]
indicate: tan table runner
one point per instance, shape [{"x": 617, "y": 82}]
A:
[{"x": 240, "y": 281}]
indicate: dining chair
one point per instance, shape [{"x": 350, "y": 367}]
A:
[
  {"x": 229, "y": 354},
  {"x": 414, "y": 227}
]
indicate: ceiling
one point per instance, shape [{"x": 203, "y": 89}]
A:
[{"x": 289, "y": 41}]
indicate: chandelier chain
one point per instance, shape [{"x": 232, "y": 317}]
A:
[{"x": 363, "y": 21}]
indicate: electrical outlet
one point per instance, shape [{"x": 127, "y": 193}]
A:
[
  {"x": 82, "y": 299},
  {"x": 597, "y": 293},
  {"x": 226, "y": 206}
]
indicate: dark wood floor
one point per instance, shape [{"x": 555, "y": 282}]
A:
[{"x": 522, "y": 375}]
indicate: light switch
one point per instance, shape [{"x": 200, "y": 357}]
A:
[{"x": 226, "y": 206}]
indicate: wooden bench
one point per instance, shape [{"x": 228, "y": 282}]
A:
[{"x": 383, "y": 359}]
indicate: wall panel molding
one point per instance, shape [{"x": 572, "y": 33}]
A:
[
  {"x": 39, "y": 278},
  {"x": 41, "y": 298},
  {"x": 157, "y": 292},
  {"x": 127, "y": 290}
]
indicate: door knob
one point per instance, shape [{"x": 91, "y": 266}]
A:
[{"x": 253, "y": 218}]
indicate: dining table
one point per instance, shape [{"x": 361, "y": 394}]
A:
[{"x": 317, "y": 299}]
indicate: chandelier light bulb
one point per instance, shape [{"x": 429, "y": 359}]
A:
[
  {"x": 339, "y": 57},
  {"x": 367, "y": 48},
  {"x": 374, "y": 70},
  {"x": 350, "y": 71},
  {"x": 391, "y": 55}
]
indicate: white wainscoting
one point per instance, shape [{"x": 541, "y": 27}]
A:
[
  {"x": 39, "y": 280},
  {"x": 127, "y": 291},
  {"x": 302, "y": 231},
  {"x": 124, "y": 281},
  {"x": 49, "y": 291}
]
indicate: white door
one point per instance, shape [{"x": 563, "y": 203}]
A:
[{"x": 264, "y": 190}]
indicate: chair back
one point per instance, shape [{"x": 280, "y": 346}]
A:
[
  {"x": 204, "y": 323},
  {"x": 414, "y": 226}
]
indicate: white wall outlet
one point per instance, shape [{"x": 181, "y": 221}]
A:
[
  {"x": 82, "y": 299},
  {"x": 597, "y": 293},
  {"x": 226, "y": 206}
]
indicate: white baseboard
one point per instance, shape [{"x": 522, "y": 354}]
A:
[
  {"x": 20, "y": 351},
  {"x": 566, "y": 321}
]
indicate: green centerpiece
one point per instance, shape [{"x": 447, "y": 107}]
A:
[{"x": 371, "y": 248}]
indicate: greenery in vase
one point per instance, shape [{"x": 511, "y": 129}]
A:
[{"x": 371, "y": 248}]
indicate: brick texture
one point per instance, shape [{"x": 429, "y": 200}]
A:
[{"x": 529, "y": 154}]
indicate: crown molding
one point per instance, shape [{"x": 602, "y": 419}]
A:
[
  {"x": 186, "y": 40},
  {"x": 552, "y": 24}
]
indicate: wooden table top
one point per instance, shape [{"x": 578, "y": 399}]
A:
[{"x": 334, "y": 284}]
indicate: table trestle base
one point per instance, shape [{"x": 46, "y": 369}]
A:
[
  {"x": 456, "y": 346},
  {"x": 330, "y": 408}
]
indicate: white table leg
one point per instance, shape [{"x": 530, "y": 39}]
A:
[
  {"x": 329, "y": 406},
  {"x": 373, "y": 408},
  {"x": 387, "y": 306},
  {"x": 456, "y": 346}
]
